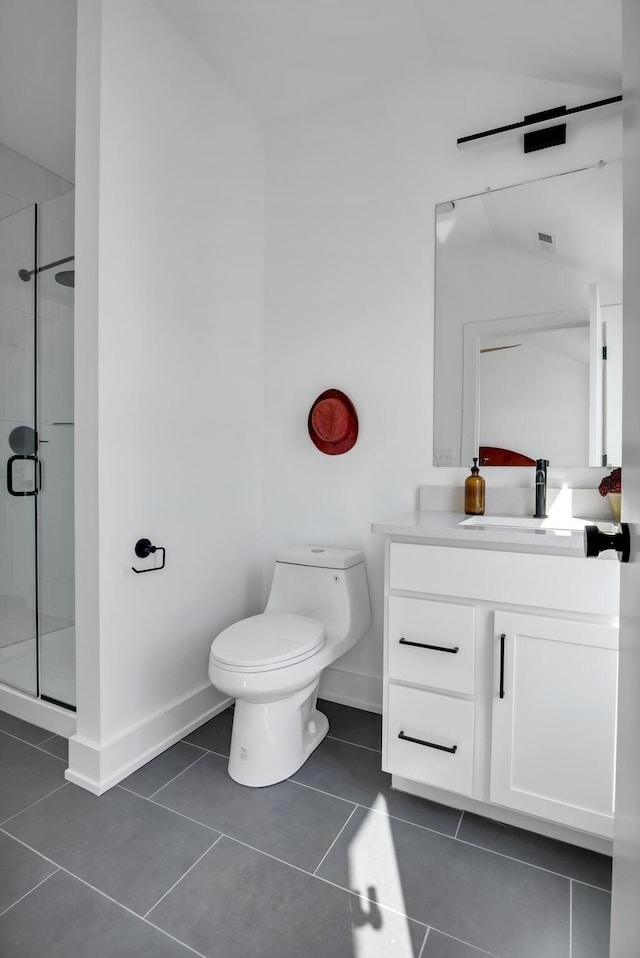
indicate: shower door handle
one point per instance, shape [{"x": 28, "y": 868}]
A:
[{"x": 37, "y": 483}]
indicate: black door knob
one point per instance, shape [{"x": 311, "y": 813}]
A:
[{"x": 596, "y": 541}]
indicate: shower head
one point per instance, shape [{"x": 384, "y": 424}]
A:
[{"x": 67, "y": 277}]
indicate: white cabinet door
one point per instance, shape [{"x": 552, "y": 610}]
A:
[{"x": 554, "y": 719}]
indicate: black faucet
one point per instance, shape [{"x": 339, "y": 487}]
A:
[{"x": 541, "y": 489}]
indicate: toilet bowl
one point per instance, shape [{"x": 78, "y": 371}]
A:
[{"x": 271, "y": 663}]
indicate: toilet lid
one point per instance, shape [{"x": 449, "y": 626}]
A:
[{"x": 268, "y": 640}]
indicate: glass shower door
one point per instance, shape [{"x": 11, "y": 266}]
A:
[{"x": 18, "y": 453}]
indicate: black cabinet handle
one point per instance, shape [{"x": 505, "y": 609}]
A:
[
  {"x": 436, "y": 648},
  {"x": 418, "y": 741},
  {"x": 502, "y": 641}
]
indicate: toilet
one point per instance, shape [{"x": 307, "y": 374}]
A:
[{"x": 318, "y": 608}]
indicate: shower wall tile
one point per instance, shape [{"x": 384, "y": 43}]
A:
[
  {"x": 13, "y": 181},
  {"x": 9, "y": 205},
  {"x": 22, "y": 183},
  {"x": 26, "y": 181},
  {"x": 41, "y": 183}
]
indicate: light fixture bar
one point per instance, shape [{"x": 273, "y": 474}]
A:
[{"x": 537, "y": 121}]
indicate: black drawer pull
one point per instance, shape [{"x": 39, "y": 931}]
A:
[
  {"x": 441, "y": 748},
  {"x": 436, "y": 648},
  {"x": 502, "y": 640}
]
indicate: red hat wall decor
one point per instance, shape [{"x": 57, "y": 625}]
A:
[{"x": 333, "y": 423}]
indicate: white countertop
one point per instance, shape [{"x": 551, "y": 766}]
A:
[{"x": 443, "y": 528}]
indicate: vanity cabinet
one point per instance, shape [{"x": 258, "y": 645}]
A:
[
  {"x": 554, "y": 719},
  {"x": 500, "y": 680}
]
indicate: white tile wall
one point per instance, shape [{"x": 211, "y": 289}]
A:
[
  {"x": 55, "y": 406},
  {"x": 26, "y": 182}
]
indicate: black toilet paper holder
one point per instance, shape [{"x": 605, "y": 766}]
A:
[{"x": 144, "y": 548}]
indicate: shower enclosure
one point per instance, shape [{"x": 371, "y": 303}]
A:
[{"x": 37, "y": 634}]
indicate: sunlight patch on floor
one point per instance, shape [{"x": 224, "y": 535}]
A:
[{"x": 378, "y": 932}]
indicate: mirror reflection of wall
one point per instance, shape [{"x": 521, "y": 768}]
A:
[
  {"x": 519, "y": 265},
  {"x": 545, "y": 374}
]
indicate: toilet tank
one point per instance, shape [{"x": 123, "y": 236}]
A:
[{"x": 327, "y": 584}]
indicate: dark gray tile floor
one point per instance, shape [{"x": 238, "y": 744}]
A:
[{"x": 180, "y": 860}]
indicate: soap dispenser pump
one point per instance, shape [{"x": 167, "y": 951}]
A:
[{"x": 474, "y": 492}]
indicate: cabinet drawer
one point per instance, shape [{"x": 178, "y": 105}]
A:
[
  {"x": 442, "y": 655},
  {"x": 439, "y": 721},
  {"x": 574, "y": 584}
]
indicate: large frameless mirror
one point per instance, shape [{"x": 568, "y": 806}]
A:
[{"x": 528, "y": 323}]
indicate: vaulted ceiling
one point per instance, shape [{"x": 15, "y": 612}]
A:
[{"x": 289, "y": 56}]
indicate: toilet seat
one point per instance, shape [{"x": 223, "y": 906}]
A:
[{"x": 268, "y": 641}]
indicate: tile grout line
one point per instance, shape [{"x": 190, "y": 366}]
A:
[
  {"x": 459, "y": 824},
  {"x": 24, "y": 741},
  {"x": 377, "y": 811},
  {"x": 349, "y": 817},
  {"x": 26, "y": 894},
  {"x": 31, "y": 848},
  {"x": 38, "y": 747},
  {"x": 346, "y": 891},
  {"x": 483, "y": 848},
  {"x": 424, "y": 943},
  {"x": 195, "y": 762},
  {"x": 169, "y": 890},
  {"x": 579, "y": 881},
  {"x": 345, "y": 741},
  {"x": 521, "y": 861},
  {"x": 369, "y": 808},
  {"x": 41, "y": 799},
  {"x": 325, "y": 881},
  {"x": 167, "y": 808},
  {"x": 482, "y": 951},
  {"x": 204, "y": 748},
  {"x": 571, "y": 918},
  {"x": 321, "y": 791},
  {"x": 61, "y": 868},
  {"x": 131, "y": 911},
  {"x": 44, "y": 751},
  {"x": 47, "y": 739}
]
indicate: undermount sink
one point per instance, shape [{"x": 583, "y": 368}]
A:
[{"x": 553, "y": 526}]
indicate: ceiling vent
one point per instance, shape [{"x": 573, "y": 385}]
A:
[{"x": 546, "y": 241}]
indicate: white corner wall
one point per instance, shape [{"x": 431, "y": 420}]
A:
[
  {"x": 169, "y": 349},
  {"x": 351, "y": 194}
]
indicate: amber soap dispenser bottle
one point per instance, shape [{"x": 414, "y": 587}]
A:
[{"x": 474, "y": 492}]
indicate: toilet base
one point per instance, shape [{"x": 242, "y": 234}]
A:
[{"x": 271, "y": 740}]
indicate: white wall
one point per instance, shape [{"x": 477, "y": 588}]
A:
[
  {"x": 168, "y": 380},
  {"x": 350, "y": 292}
]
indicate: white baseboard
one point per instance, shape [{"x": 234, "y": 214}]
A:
[
  {"x": 356, "y": 689},
  {"x": 99, "y": 767},
  {"x": 58, "y": 721}
]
